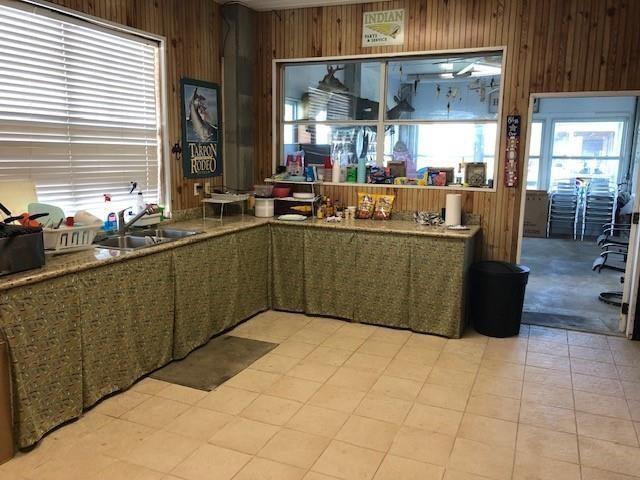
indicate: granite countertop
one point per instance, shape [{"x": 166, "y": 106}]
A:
[
  {"x": 57, "y": 265},
  {"x": 387, "y": 226},
  {"x": 61, "y": 264}
]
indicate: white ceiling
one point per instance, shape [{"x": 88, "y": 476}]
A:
[{"x": 284, "y": 4}]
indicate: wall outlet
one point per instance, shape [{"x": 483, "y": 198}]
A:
[
  {"x": 196, "y": 189},
  {"x": 207, "y": 188}
]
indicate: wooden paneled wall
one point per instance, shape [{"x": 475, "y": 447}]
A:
[
  {"x": 192, "y": 29},
  {"x": 552, "y": 46}
]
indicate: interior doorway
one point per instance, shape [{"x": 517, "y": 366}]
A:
[{"x": 576, "y": 231}]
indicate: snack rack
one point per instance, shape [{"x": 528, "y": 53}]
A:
[
  {"x": 311, "y": 201},
  {"x": 223, "y": 199}
]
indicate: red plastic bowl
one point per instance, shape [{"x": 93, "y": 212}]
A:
[{"x": 281, "y": 192}]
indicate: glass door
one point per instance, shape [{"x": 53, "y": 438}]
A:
[{"x": 632, "y": 276}]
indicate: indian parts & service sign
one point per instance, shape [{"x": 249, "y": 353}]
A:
[
  {"x": 201, "y": 133},
  {"x": 385, "y": 27}
]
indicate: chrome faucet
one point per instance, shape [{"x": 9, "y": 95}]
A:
[{"x": 123, "y": 226}]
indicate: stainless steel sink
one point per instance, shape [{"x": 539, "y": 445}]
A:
[
  {"x": 162, "y": 233},
  {"x": 129, "y": 242},
  {"x": 135, "y": 239}
]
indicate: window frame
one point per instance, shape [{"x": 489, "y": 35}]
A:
[
  {"x": 82, "y": 19},
  {"x": 294, "y": 105},
  {"x": 542, "y": 155},
  {"x": 278, "y": 122},
  {"x": 623, "y": 158},
  {"x": 458, "y": 123}
]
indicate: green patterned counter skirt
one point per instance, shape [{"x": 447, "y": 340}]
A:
[
  {"x": 126, "y": 312},
  {"x": 42, "y": 326},
  {"x": 219, "y": 282},
  {"x": 400, "y": 280},
  {"x": 78, "y": 337}
]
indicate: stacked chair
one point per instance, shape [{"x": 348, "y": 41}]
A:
[
  {"x": 564, "y": 202},
  {"x": 598, "y": 205}
]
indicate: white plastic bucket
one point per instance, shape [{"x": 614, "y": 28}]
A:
[{"x": 264, "y": 207}]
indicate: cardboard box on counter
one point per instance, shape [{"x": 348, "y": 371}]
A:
[{"x": 535, "y": 213}]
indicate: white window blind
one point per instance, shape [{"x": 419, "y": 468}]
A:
[{"x": 79, "y": 109}]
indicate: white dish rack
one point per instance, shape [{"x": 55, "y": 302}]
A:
[{"x": 69, "y": 239}]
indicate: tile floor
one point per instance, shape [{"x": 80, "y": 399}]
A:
[{"x": 345, "y": 401}]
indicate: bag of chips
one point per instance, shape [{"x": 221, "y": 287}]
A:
[
  {"x": 366, "y": 203},
  {"x": 384, "y": 204}
]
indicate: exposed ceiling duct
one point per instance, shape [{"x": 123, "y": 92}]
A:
[{"x": 239, "y": 58}]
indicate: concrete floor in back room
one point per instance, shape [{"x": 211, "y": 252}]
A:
[{"x": 563, "y": 290}]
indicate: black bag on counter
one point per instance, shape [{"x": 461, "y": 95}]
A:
[{"x": 21, "y": 248}]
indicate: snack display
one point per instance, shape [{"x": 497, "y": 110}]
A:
[
  {"x": 441, "y": 179},
  {"x": 384, "y": 204},
  {"x": 366, "y": 203}
]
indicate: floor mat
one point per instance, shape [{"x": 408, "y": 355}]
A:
[
  {"x": 214, "y": 363},
  {"x": 571, "y": 322}
]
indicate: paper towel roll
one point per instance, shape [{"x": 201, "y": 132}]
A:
[
  {"x": 453, "y": 212},
  {"x": 335, "y": 172}
]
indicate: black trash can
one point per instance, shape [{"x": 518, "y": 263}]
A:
[{"x": 497, "y": 297}]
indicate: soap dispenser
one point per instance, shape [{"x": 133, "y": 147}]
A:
[
  {"x": 140, "y": 205},
  {"x": 109, "y": 216}
]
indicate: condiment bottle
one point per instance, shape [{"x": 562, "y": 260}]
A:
[{"x": 329, "y": 208}]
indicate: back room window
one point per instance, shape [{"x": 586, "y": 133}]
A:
[{"x": 79, "y": 109}]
